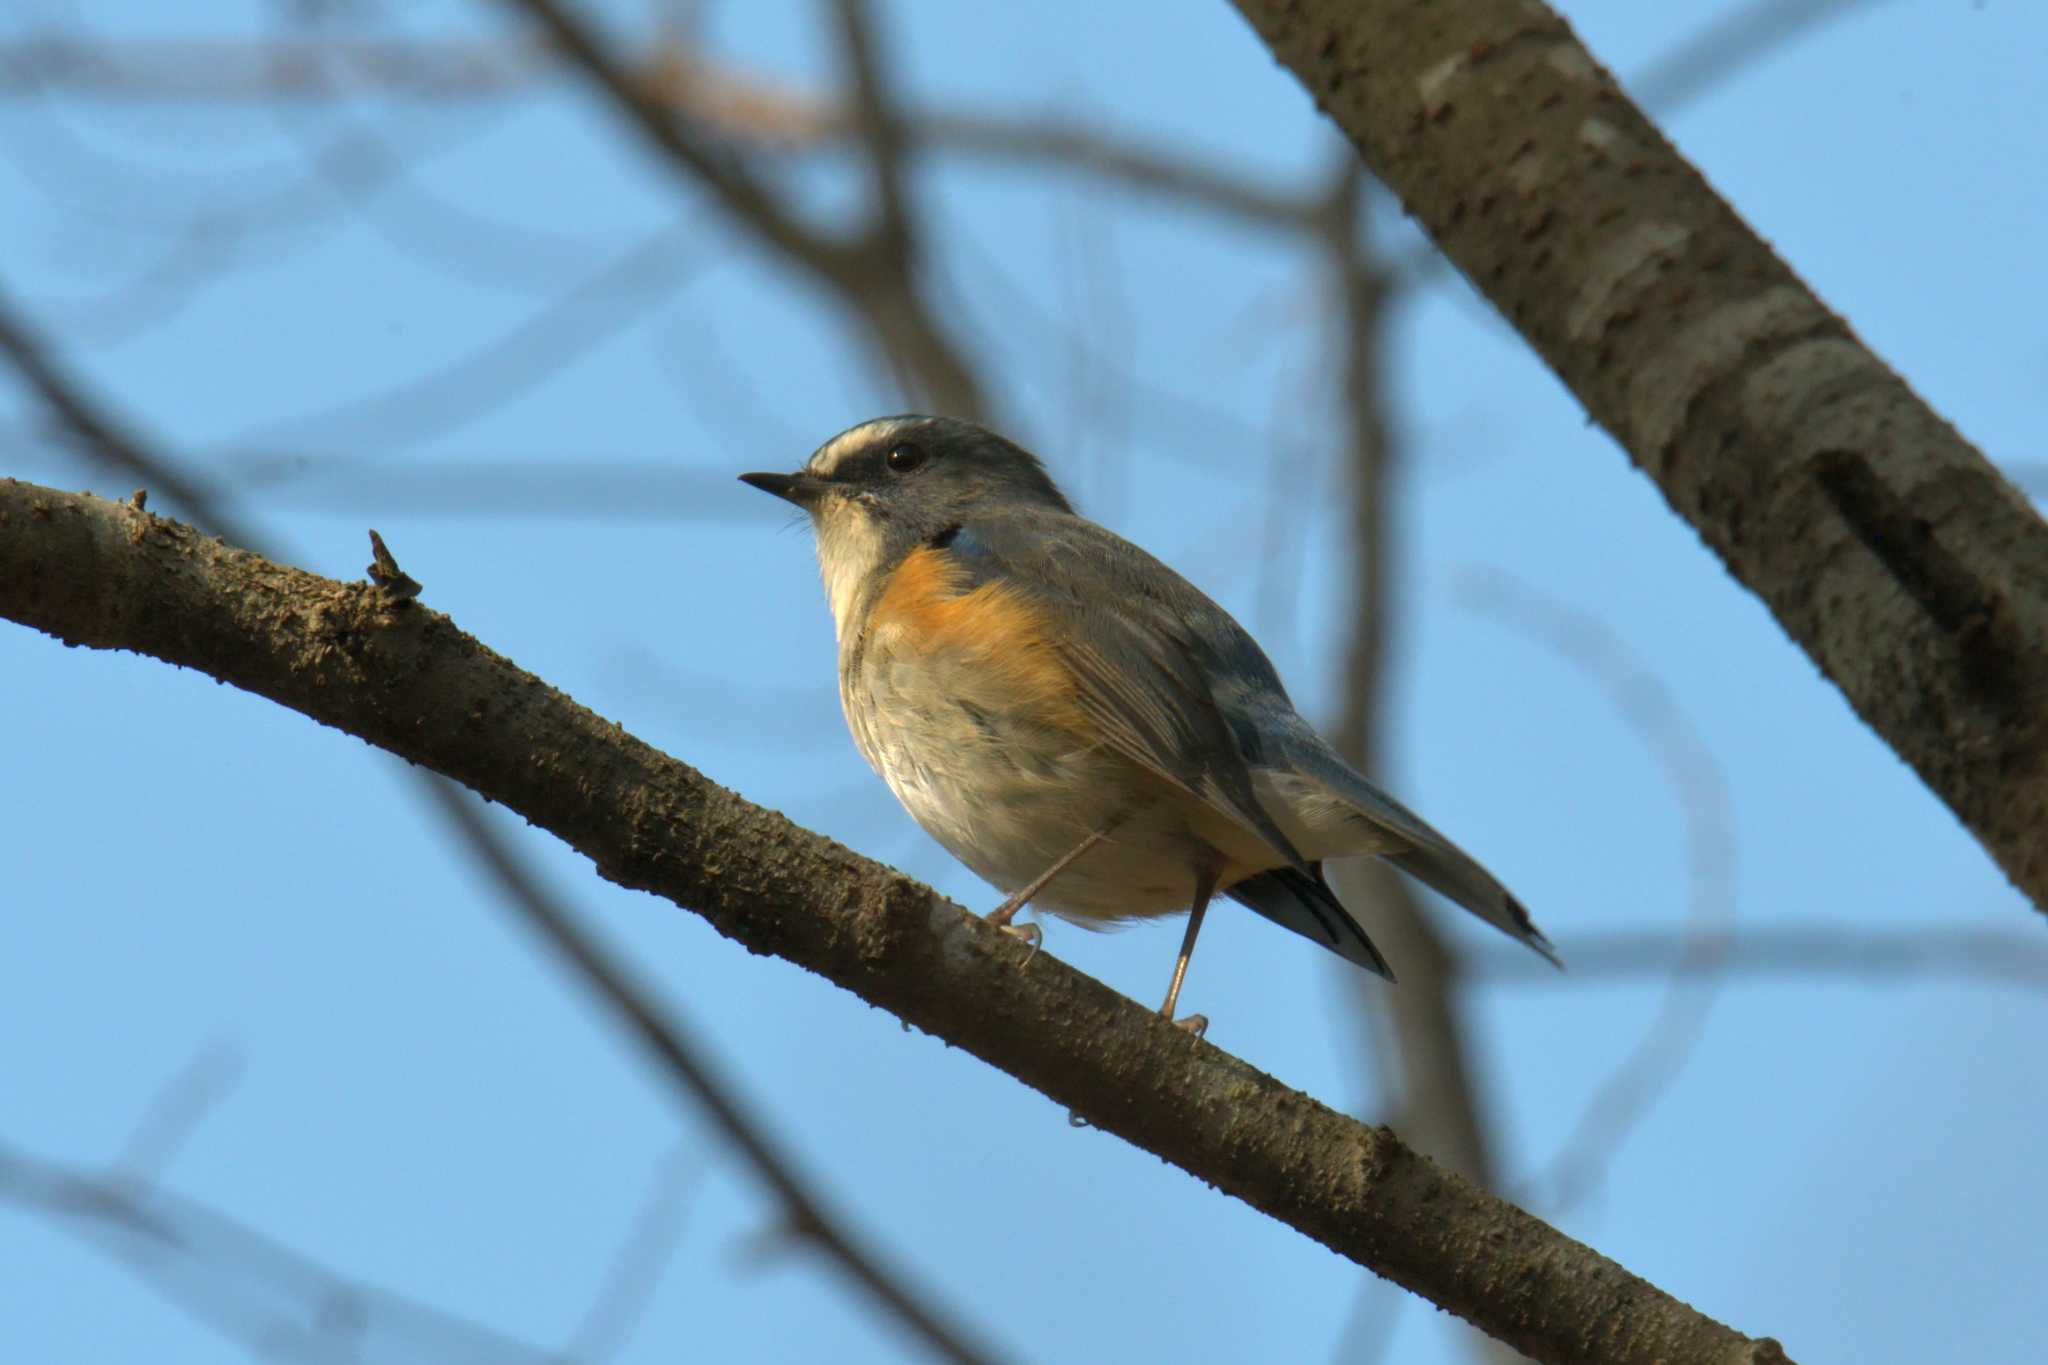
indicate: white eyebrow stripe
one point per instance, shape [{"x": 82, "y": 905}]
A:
[{"x": 851, "y": 442}]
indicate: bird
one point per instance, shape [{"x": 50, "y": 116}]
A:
[{"x": 1074, "y": 721}]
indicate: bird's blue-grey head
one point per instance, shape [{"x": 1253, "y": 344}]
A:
[
  {"x": 876, "y": 491},
  {"x": 912, "y": 468}
]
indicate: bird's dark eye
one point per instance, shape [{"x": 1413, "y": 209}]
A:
[{"x": 904, "y": 458}]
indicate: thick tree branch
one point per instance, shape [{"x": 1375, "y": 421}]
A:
[
  {"x": 1910, "y": 571},
  {"x": 110, "y": 575}
]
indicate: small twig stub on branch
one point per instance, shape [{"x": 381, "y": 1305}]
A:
[{"x": 383, "y": 570}]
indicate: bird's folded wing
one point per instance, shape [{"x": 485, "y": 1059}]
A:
[{"x": 1147, "y": 650}]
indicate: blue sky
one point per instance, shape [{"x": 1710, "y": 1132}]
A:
[{"x": 409, "y": 1092}]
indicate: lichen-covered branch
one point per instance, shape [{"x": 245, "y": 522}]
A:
[{"x": 112, "y": 576}]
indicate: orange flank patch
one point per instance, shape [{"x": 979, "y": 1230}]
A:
[{"x": 926, "y": 607}]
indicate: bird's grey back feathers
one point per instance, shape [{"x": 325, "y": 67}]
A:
[{"x": 1182, "y": 689}]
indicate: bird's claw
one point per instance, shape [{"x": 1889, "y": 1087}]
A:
[
  {"x": 1030, "y": 935},
  {"x": 1197, "y": 1024}
]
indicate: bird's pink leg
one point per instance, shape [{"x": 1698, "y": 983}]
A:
[
  {"x": 1007, "y": 911},
  {"x": 1205, "y": 887}
]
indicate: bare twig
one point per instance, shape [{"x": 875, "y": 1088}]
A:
[
  {"x": 466, "y": 486},
  {"x": 237, "y": 225},
  {"x": 746, "y": 108},
  {"x": 629, "y": 1285},
  {"x": 174, "y": 1113},
  {"x": 877, "y": 125},
  {"x": 735, "y": 105},
  {"x": 152, "y": 296},
  {"x": 549, "y": 337},
  {"x": 1056, "y": 142},
  {"x": 277, "y": 1302},
  {"x": 2004, "y": 957},
  {"x": 886, "y": 285},
  {"x": 871, "y": 273},
  {"x": 1727, "y": 44},
  {"x": 100, "y": 436},
  {"x": 379, "y": 179},
  {"x": 713, "y": 166},
  {"x": 1210, "y": 434},
  {"x": 278, "y": 69}
]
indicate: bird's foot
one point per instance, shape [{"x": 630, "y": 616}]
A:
[
  {"x": 1197, "y": 1024},
  {"x": 1030, "y": 935}
]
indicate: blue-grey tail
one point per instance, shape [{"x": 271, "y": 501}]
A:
[
  {"x": 1446, "y": 870},
  {"x": 1418, "y": 850},
  {"x": 1298, "y": 898}
]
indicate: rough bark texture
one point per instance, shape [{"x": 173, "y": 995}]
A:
[
  {"x": 1906, "y": 566},
  {"x": 109, "y": 575}
]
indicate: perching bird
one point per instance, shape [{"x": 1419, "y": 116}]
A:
[{"x": 1071, "y": 718}]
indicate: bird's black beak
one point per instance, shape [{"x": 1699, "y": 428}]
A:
[{"x": 801, "y": 489}]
